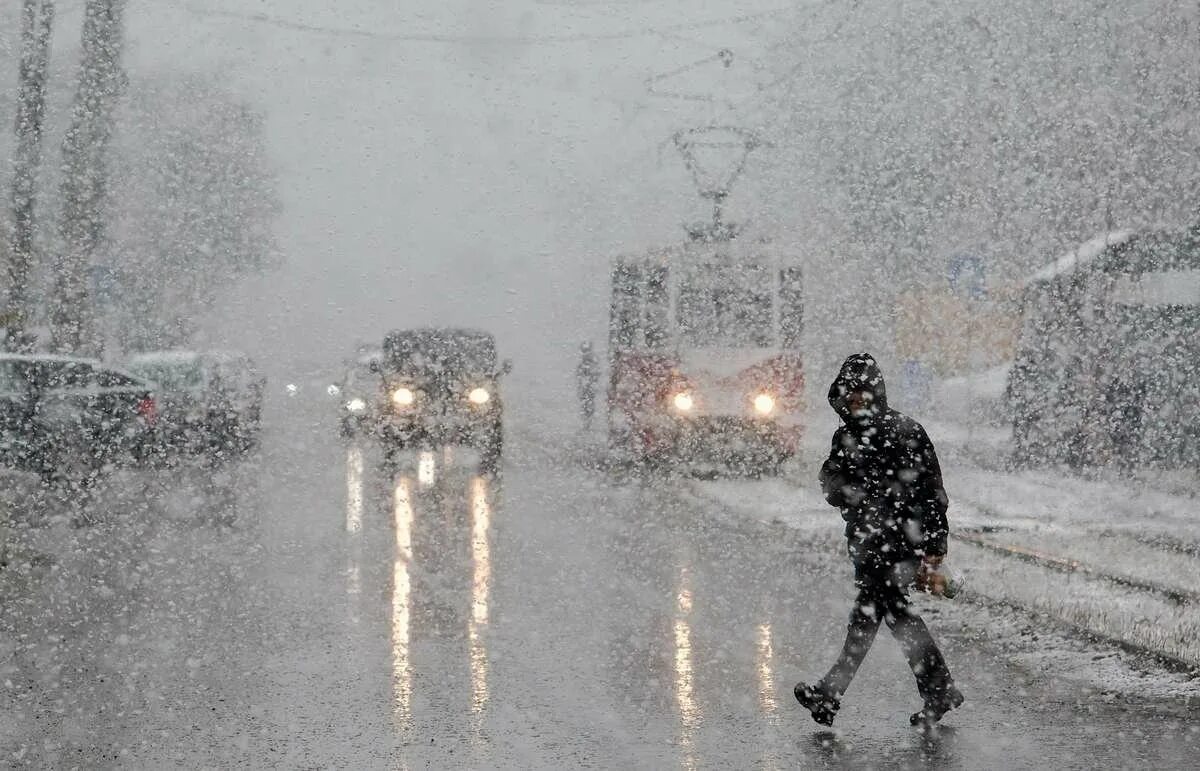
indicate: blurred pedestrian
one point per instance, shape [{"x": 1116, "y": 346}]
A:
[
  {"x": 587, "y": 375},
  {"x": 883, "y": 475}
]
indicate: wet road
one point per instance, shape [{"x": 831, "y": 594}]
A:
[{"x": 353, "y": 616}]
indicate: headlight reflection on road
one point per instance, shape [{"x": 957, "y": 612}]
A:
[
  {"x": 689, "y": 712},
  {"x": 354, "y": 489},
  {"x": 683, "y": 670},
  {"x": 481, "y": 522},
  {"x": 354, "y": 514},
  {"x": 766, "y": 675},
  {"x": 427, "y": 469},
  {"x": 402, "y": 511}
]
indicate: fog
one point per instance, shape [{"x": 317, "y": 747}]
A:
[
  {"x": 483, "y": 162},
  {"x": 466, "y": 164}
]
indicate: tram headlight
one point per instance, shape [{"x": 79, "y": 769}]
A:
[
  {"x": 683, "y": 401},
  {"x": 764, "y": 404},
  {"x": 479, "y": 396},
  {"x": 403, "y": 397},
  {"x": 356, "y": 405}
]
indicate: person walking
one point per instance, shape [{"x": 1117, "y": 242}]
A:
[
  {"x": 883, "y": 474},
  {"x": 587, "y": 375}
]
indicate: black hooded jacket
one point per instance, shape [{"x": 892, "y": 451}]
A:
[{"x": 883, "y": 474}]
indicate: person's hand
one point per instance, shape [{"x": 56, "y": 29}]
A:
[{"x": 927, "y": 574}]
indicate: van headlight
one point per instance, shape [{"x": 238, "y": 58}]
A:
[
  {"x": 764, "y": 404},
  {"x": 479, "y": 396},
  {"x": 683, "y": 401},
  {"x": 403, "y": 397}
]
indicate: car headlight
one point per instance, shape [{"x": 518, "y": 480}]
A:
[
  {"x": 683, "y": 401},
  {"x": 403, "y": 397},
  {"x": 479, "y": 396},
  {"x": 356, "y": 405},
  {"x": 764, "y": 404}
]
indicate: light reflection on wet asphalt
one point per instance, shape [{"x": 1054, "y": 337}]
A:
[
  {"x": 766, "y": 675},
  {"x": 428, "y": 616},
  {"x": 354, "y": 489},
  {"x": 402, "y": 522},
  {"x": 689, "y": 712},
  {"x": 715, "y": 714},
  {"x": 481, "y": 517}
]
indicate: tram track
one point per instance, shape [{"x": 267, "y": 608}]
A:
[
  {"x": 1020, "y": 569},
  {"x": 1074, "y": 566},
  {"x": 1160, "y": 552}
]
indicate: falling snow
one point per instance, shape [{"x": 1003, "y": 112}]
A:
[{"x": 385, "y": 387}]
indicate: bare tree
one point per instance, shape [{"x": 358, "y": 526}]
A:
[
  {"x": 194, "y": 207},
  {"x": 37, "y": 20},
  {"x": 85, "y": 175}
]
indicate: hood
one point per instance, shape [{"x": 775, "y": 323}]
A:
[{"x": 859, "y": 372}]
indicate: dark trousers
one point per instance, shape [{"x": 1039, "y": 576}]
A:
[{"x": 882, "y": 596}]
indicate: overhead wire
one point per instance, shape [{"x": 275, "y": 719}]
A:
[
  {"x": 763, "y": 90},
  {"x": 627, "y": 34},
  {"x": 734, "y": 109},
  {"x": 723, "y": 56}
]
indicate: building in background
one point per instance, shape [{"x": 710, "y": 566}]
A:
[
  {"x": 1107, "y": 365},
  {"x": 964, "y": 325}
]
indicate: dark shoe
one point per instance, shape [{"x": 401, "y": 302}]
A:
[
  {"x": 934, "y": 710},
  {"x": 822, "y": 706}
]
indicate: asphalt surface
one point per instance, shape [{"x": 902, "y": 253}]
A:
[{"x": 310, "y": 608}]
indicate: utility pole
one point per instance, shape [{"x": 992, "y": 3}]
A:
[
  {"x": 37, "y": 21},
  {"x": 85, "y": 180}
]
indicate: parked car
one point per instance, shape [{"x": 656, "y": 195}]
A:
[
  {"x": 209, "y": 401},
  {"x": 67, "y": 419},
  {"x": 441, "y": 387}
]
